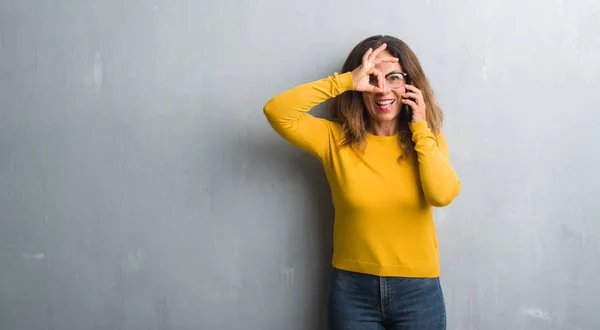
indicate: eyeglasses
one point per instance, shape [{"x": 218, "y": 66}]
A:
[{"x": 393, "y": 79}]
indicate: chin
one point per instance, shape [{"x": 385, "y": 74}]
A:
[{"x": 387, "y": 116}]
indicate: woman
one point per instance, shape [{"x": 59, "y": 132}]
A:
[{"x": 387, "y": 169}]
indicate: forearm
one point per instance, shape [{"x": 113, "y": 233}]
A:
[
  {"x": 285, "y": 109},
  {"x": 439, "y": 180},
  {"x": 288, "y": 113}
]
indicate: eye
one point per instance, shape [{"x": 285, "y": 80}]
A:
[{"x": 373, "y": 80}]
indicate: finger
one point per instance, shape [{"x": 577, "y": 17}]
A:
[
  {"x": 377, "y": 51},
  {"x": 410, "y": 102},
  {"x": 376, "y": 90},
  {"x": 372, "y": 89},
  {"x": 367, "y": 54},
  {"x": 380, "y": 79},
  {"x": 414, "y": 96},
  {"x": 386, "y": 59},
  {"x": 413, "y": 89}
]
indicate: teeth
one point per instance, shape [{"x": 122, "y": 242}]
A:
[{"x": 385, "y": 102}]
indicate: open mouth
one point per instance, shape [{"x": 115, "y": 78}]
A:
[{"x": 384, "y": 105}]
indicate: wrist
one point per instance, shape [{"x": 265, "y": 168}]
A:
[
  {"x": 355, "y": 80},
  {"x": 346, "y": 81},
  {"x": 418, "y": 125}
]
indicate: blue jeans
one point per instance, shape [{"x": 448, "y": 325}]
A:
[{"x": 367, "y": 302}]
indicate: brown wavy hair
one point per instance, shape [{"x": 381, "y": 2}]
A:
[{"x": 349, "y": 109}]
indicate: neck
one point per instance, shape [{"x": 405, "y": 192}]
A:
[{"x": 387, "y": 128}]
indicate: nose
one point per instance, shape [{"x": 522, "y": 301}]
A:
[{"x": 386, "y": 89}]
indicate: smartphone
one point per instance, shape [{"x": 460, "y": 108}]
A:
[{"x": 406, "y": 111}]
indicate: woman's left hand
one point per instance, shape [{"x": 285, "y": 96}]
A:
[{"x": 414, "y": 98}]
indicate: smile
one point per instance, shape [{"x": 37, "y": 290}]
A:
[{"x": 384, "y": 105}]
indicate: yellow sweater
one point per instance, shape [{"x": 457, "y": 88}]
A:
[{"x": 383, "y": 208}]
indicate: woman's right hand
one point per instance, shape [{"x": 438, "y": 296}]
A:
[{"x": 362, "y": 75}]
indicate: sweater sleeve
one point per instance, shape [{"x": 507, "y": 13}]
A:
[
  {"x": 287, "y": 113},
  {"x": 439, "y": 181}
]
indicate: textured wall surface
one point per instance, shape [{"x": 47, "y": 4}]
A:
[{"x": 142, "y": 188}]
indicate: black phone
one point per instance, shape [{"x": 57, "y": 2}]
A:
[{"x": 406, "y": 111}]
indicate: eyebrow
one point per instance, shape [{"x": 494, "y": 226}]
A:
[{"x": 393, "y": 72}]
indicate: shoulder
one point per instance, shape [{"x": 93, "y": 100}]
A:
[
  {"x": 335, "y": 135},
  {"x": 440, "y": 136},
  {"x": 337, "y": 132},
  {"x": 334, "y": 127}
]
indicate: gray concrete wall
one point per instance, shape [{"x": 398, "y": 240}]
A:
[{"x": 142, "y": 188}]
